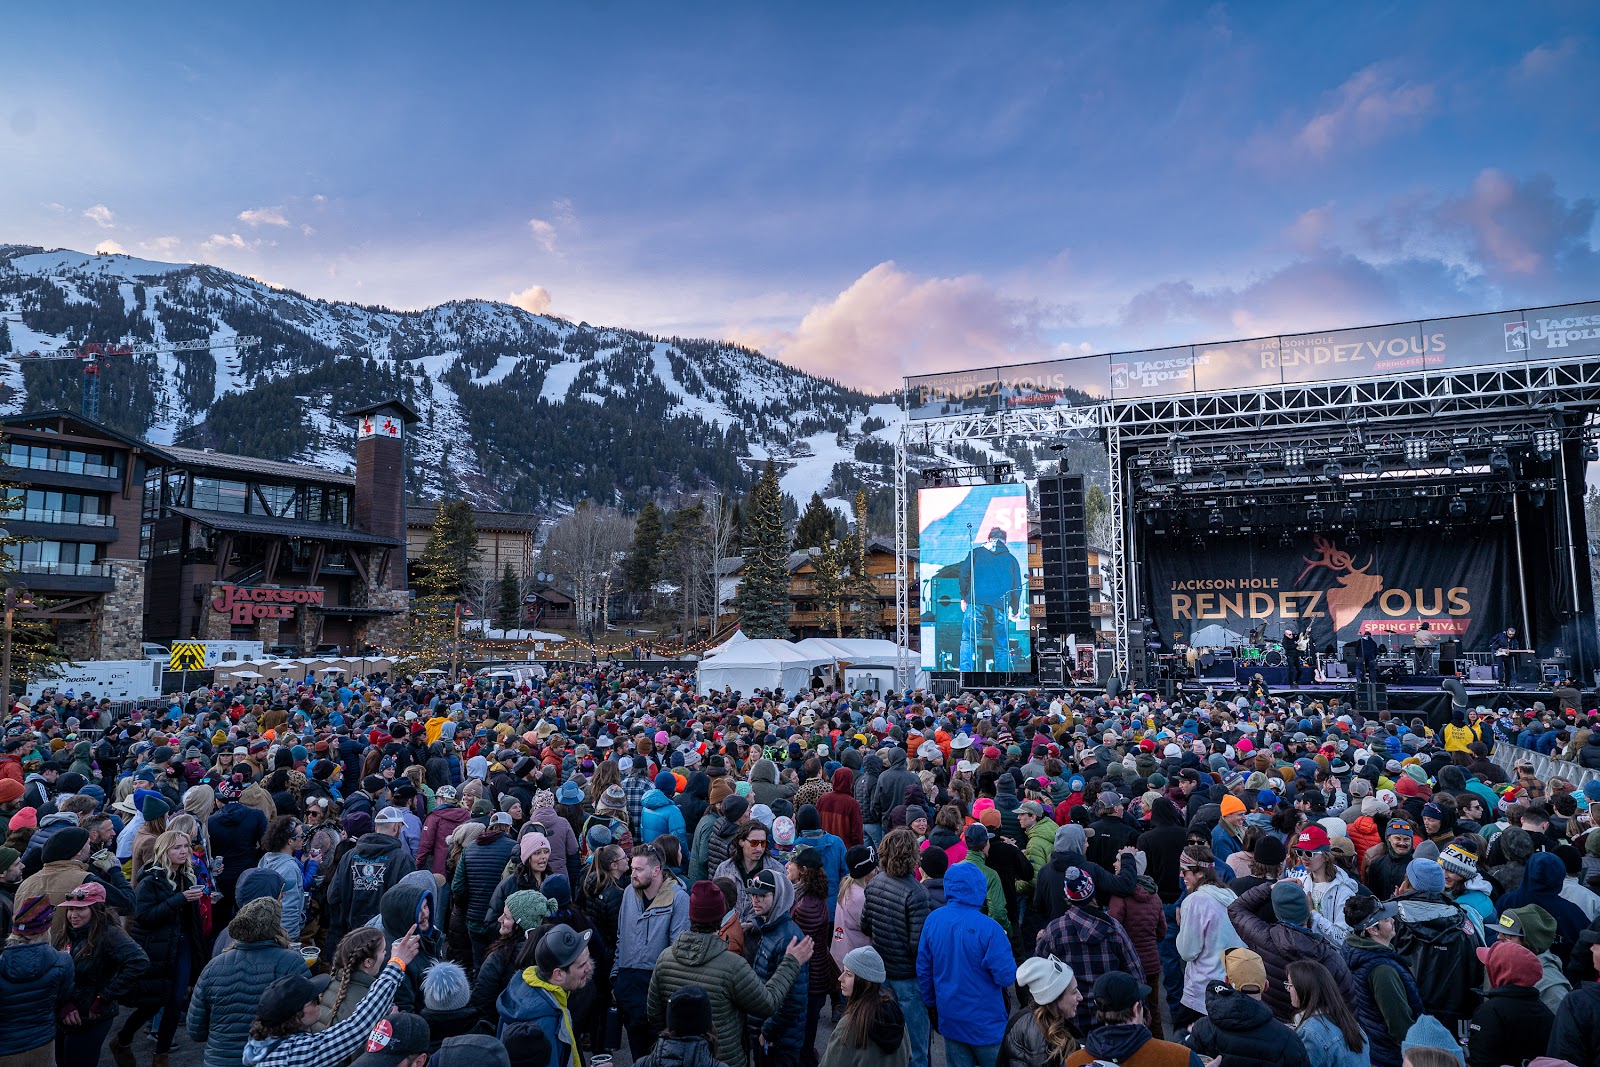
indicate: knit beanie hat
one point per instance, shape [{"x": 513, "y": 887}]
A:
[
  {"x": 1508, "y": 963},
  {"x": 1460, "y": 858},
  {"x": 1289, "y": 902},
  {"x": 1428, "y": 1032},
  {"x": 667, "y": 783},
  {"x": 445, "y": 987},
  {"x": 532, "y": 843},
  {"x": 935, "y": 862},
  {"x": 64, "y": 844},
  {"x": 706, "y": 904},
  {"x": 8, "y": 856},
  {"x": 154, "y": 806},
  {"x": 689, "y": 1012},
  {"x": 1425, "y": 876},
  {"x": 529, "y": 908},
  {"x": 25, "y": 818},
  {"x": 807, "y": 818},
  {"x": 33, "y": 916}
]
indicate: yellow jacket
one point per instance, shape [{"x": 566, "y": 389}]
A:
[{"x": 1457, "y": 738}]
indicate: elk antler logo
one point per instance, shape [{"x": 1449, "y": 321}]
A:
[{"x": 1356, "y": 587}]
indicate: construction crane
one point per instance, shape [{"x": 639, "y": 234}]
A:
[{"x": 91, "y": 353}]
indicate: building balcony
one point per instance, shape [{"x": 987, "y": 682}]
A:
[
  {"x": 63, "y": 577},
  {"x": 69, "y": 518},
  {"x": 62, "y": 474}
]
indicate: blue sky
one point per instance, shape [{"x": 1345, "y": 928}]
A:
[{"x": 863, "y": 190}]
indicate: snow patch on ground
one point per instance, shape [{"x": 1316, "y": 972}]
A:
[
  {"x": 558, "y": 380},
  {"x": 64, "y": 260},
  {"x": 811, "y": 473}
]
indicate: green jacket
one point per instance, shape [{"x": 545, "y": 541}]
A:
[
  {"x": 994, "y": 905},
  {"x": 1041, "y": 843},
  {"x": 734, "y": 990}
]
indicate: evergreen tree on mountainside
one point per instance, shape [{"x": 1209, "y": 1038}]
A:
[
  {"x": 5, "y": 337},
  {"x": 817, "y": 526},
  {"x": 509, "y": 615},
  {"x": 642, "y": 568},
  {"x": 763, "y": 599}
]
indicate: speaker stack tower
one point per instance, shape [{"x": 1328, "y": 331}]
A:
[{"x": 1064, "y": 549}]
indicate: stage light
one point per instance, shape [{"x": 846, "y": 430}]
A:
[
  {"x": 1591, "y": 453},
  {"x": 1347, "y": 513},
  {"x": 1352, "y": 540},
  {"x": 1499, "y": 462},
  {"x": 1457, "y": 460},
  {"x": 1373, "y": 467},
  {"x": 1215, "y": 518},
  {"x": 1147, "y": 482},
  {"x": 1286, "y": 540},
  {"x": 1294, "y": 458},
  {"x": 1546, "y": 441},
  {"x": 1182, "y": 465},
  {"x": 1458, "y": 507},
  {"x": 1219, "y": 477},
  {"x": 1315, "y": 513},
  {"x": 1255, "y": 475},
  {"x": 1416, "y": 451},
  {"x": 1199, "y": 543},
  {"x": 1332, "y": 469}
]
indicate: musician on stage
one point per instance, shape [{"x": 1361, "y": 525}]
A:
[
  {"x": 991, "y": 596},
  {"x": 1368, "y": 646},
  {"x": 1501, "y": 645},
  {"x": 1423, "y": 642},
  {"x": 1295, "y": 645}
]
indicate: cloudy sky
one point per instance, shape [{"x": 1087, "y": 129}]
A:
[{"x": 863, "y": 190}]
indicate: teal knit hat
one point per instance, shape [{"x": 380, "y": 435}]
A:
[{"x": 530, "y": 908}]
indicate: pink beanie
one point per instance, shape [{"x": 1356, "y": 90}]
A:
[{"x": 532, "y": 843}]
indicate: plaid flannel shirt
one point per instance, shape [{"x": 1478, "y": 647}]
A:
[{"x": 1092, "y": 943}]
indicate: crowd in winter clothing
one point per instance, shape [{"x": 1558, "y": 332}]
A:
[{"x": 604, "y": 859}]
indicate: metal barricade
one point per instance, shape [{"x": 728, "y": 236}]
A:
[{"x": 1545, "y": 768}]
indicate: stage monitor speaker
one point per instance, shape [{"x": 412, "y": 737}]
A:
[
  {"x": 1480, "y": 672},
  {"x": 1335, "y": 668},
  {"x": 1064, "y": 554},
  {"x": 1105, "y": 664}
]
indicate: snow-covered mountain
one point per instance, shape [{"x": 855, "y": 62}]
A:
[{"x": 520, "y": 410}]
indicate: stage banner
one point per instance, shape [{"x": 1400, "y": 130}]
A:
[
  {"x": 972, "y": 571},
  {"x": 1385, "y": 586},
  {"x": 1072, "y": 382}
]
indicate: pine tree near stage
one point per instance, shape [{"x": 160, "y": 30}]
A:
[{"x": 764, "y": 587}]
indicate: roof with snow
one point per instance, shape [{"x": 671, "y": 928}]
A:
[{"x": 272, "y": 468}]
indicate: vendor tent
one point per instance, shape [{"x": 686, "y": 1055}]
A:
[{"x": 758, "y": 664}]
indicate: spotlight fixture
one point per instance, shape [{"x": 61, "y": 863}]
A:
[
  {"x": 1458, "y": 507},
  {"x": 1182, "y": 465},
  {"x": 1416, "y": 451},
  {"x": 1314, "y": 513},
  {"x": 1255, "y": 475},
  {"x": 1352, "y": 540},
  {"x": 1457, "y": 460},
  {"x": 1199, "y": 543},
  {"x": 1546, "y": 442},
  {"x": 1332, "y": 469},
  {"x": 1373, "y": 467},
  {"x": 1499, "y": 461},
  {"x": 1219, "y": 477},
  {"x": 1147, "y": 482},
  {"x": 1286, "y": 540},
  {"x": 1294, "y": 458},
  {"x": 1215, "y": 518},
  {"x": 1591, "y": 453},
  {"x": 1347, "y": 513}
]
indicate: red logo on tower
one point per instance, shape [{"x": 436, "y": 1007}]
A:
[{"x": 379, "y": 426}]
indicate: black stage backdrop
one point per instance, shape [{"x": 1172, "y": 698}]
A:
[{"x": 1389, "y": 584}]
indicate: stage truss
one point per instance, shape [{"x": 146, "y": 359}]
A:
[{"x": 1333, "y": 420}]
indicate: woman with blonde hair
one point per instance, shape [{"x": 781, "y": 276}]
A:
[
  {"x": 154, "y": 809},
  {"x": 167, "y": 925}
]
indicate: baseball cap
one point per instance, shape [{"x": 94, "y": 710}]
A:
[
  {"x": 1119, "y": 991},
  {"x": 500, "y": 818},
  {"x": 394, "y": 1039},
  {"x": 84, "y": 895},
  {"x": 1387, "y": 910},
  {"x": 765, "y": 883},
  {"x": 1313, "y": 839},
  {"x": 284, "y": 999},
  {"x": 1032, "y": 807},
  {"x": 390, "y": 817},
  {"x": 1245, "y": 970},
  {"x": 560, "y": 946}
]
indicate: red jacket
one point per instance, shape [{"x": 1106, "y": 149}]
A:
[
  {"x": 1146, "y": 923},
  {"x": 840, "y": 814}
]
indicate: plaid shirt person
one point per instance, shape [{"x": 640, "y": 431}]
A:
[{"x": 1092, "y": 943}]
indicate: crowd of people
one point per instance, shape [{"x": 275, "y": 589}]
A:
[{"x": 536, "y": 875}]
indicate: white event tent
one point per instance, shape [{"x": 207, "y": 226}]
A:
[{"x": 758, "y": 664}]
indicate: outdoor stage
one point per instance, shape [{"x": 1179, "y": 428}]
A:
[{"x": 1415, "y": 478}]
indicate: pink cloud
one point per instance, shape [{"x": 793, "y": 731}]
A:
[{"x": 890, "y": 323}]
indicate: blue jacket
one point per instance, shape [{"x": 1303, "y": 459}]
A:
[
  {"x": 964, "y": 962},
  {"x": 660, "y": 815},
  {"x": 764, "y": 945},
  {"x": 35, "y": 981},
  {"x": 832, "y": 849},
  {"x": 522, "y": 1006},
  {"x": 226, "y": 996}
]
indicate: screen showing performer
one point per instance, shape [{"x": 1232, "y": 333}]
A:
[{"x": 973, "y": 559}]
